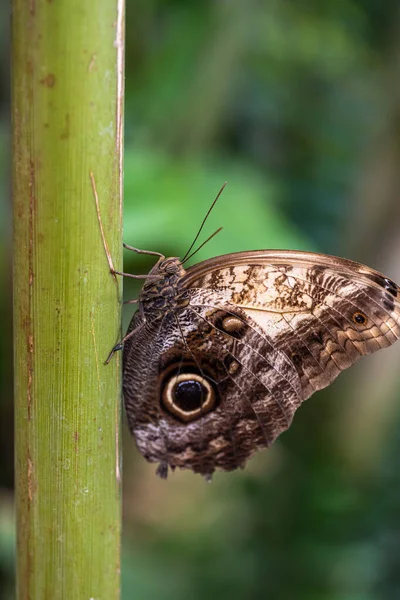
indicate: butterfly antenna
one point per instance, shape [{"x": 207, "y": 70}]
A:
[
  {"x": 201, "y": 245},
  {"x": 203, "y": 223}
]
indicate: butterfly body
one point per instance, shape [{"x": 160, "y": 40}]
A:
[{"x": 219, "y": 356}]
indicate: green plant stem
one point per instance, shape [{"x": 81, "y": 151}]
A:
[{"x": 67, "y": 105}]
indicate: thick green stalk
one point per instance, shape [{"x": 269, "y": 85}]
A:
[{"x": 67, "y": 123}]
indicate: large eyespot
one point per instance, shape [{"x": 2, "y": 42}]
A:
[
  {"x": 359, "y": 318},
  {"x": 188, "y": 396}
]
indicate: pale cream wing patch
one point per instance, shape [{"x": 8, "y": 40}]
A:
[{"x": 323, "y": 312}]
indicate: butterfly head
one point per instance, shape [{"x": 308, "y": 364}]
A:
[{"x": 166, "y": 267}]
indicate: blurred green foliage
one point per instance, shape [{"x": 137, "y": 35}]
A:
[
  {"x": 181, "y": 191},
  {"x": 291, "y": 102}
]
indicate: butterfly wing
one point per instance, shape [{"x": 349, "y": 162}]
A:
[
  {"x": 323, "y": 312},
  {"x": 254, "y": 335},
  {"x": 206, "y": 387}
]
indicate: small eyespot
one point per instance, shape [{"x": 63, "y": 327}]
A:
[
  {"x": 359, "y": 318},
  {"x": 232, "y": 324},
  {"x": 188, "y": 396}
]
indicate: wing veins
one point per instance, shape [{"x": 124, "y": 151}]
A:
[
  {"x": 247, "y": 369},
  {"x": 267, "y": 440},
  {"x": 275, "y": 349}
]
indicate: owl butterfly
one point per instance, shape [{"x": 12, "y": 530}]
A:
[{"x": 219, "y": 356}]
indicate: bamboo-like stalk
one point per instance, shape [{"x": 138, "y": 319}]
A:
[{"x": 67, "y": 100}]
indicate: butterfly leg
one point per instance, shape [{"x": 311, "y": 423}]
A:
[
  {"x": 149, "y": 252},
  {"x": 114, "y": 272},
  {"x": 120, "y": 344},
  {"x": 135, "y": 301},
  {"x": 116, "y": 348}
]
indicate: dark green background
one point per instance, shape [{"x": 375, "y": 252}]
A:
[{"x": 296, "y": 105}]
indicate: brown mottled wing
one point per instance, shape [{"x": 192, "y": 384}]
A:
[
  {"x": 256, "y": 386},
  {"x": 322, "y": 312},
  {"x": 265, "y": 330}
]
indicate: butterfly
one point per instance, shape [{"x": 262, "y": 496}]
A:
[{"x": 219, "y": 356}]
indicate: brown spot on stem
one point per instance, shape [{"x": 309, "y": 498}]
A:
[{"x": 49, "y": 81}]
